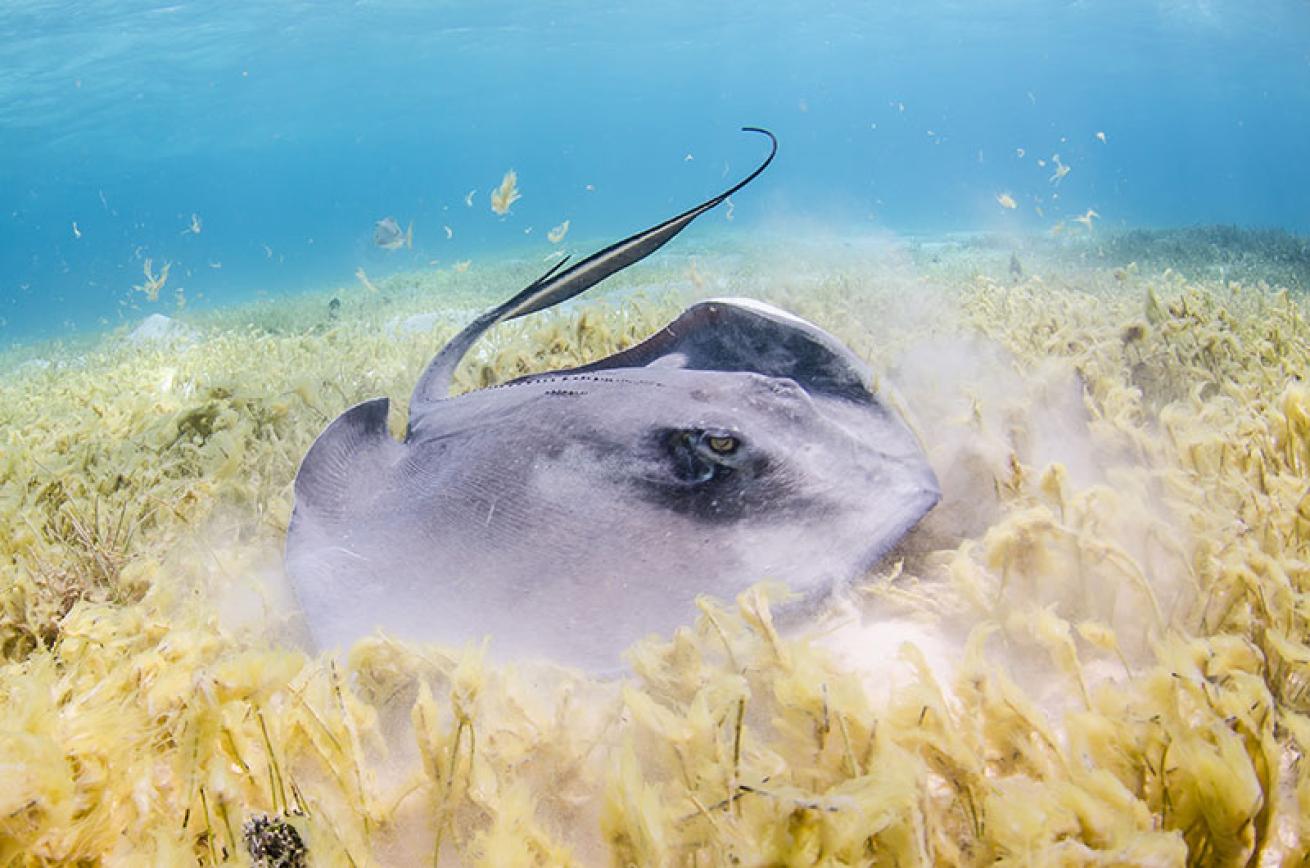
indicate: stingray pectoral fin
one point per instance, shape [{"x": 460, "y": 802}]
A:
[
  {"x": 742, "y": 334},
  {"x": 344, "y": 464}
]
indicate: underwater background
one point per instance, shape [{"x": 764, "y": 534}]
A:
[
  {"x": 1071, "y": 240},
  {"x": 288, "y": 128}
]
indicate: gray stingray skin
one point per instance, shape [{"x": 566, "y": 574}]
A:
[{"x": 569, "y": 514}]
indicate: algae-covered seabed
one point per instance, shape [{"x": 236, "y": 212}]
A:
[{"x": 1108, "y": 612}]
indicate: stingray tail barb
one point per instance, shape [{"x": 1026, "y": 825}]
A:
[{"x": 559, "y": 285}]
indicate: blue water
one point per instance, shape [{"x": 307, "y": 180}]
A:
[{"x": 289, "y": 128}]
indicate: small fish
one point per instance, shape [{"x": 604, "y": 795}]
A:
[
  {"x": 268, "y": 251},
  {"x": 387, "y": 234},
  {"x": 506, "y": 194},
  {"x": 468, "y": 198},
  {"x": 194, "y": 228},
  {"x": 1005, "y": 200},
  {"x": 77, "y": 233},
  {"x": 450, "y": 233},
  {"x": 216, "y": 265},
  {"x": 688, "y": 158},
  {"x": 1086, "y": 219},
  {"x": 727, "y": 215},
  {"x": 1019, "y": 152},
  {"x": 1100, "y": 137},
  {"x": 590, "y": 188},
  {"x": 462, "y": 266},
  {"x": 557, "y": 234}
]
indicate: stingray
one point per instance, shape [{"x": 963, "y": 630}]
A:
[{"x": 570, "y": 513}]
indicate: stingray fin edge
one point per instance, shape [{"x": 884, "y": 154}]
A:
[
  {"x": 354, "y": 448},
  {"x": 742, "y": 334}
]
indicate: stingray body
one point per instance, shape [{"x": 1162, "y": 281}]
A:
[{"x": 570, "y": 513}]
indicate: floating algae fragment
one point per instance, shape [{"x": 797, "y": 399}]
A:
[
  {"x": 363, "y": 278},
  {"x": 154, "y": 282},
  {"x": 506, "y": 194},
  {"x": 1060, "y": 169},
  {"x": 1086, "y": 219},
  {"x": 557, "y": 234}
]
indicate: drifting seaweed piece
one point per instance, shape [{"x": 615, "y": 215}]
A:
[
  {"x": 154, "y": 282},
  {"x": 363, "y": 279},
  {"x": 506, "y": 194}
]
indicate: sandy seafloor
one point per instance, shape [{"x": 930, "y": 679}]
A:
[{"x": 1093, "y": 651}]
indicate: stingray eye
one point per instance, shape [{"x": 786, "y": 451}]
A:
[
  {"x": 701, "y": 455},
  {"x": 722, "y": 444},
  {"x": 720, "y": 447}
]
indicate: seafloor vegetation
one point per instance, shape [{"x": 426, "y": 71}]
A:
[{"x": 1118, "y": 572}]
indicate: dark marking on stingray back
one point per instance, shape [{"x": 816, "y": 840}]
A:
[{"x": 688, "y": 480}]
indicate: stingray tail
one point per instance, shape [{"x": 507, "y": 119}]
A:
[{"x": 557, "y": 286}]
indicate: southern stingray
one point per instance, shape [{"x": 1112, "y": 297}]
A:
[{"x": 570, "y": 513}]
